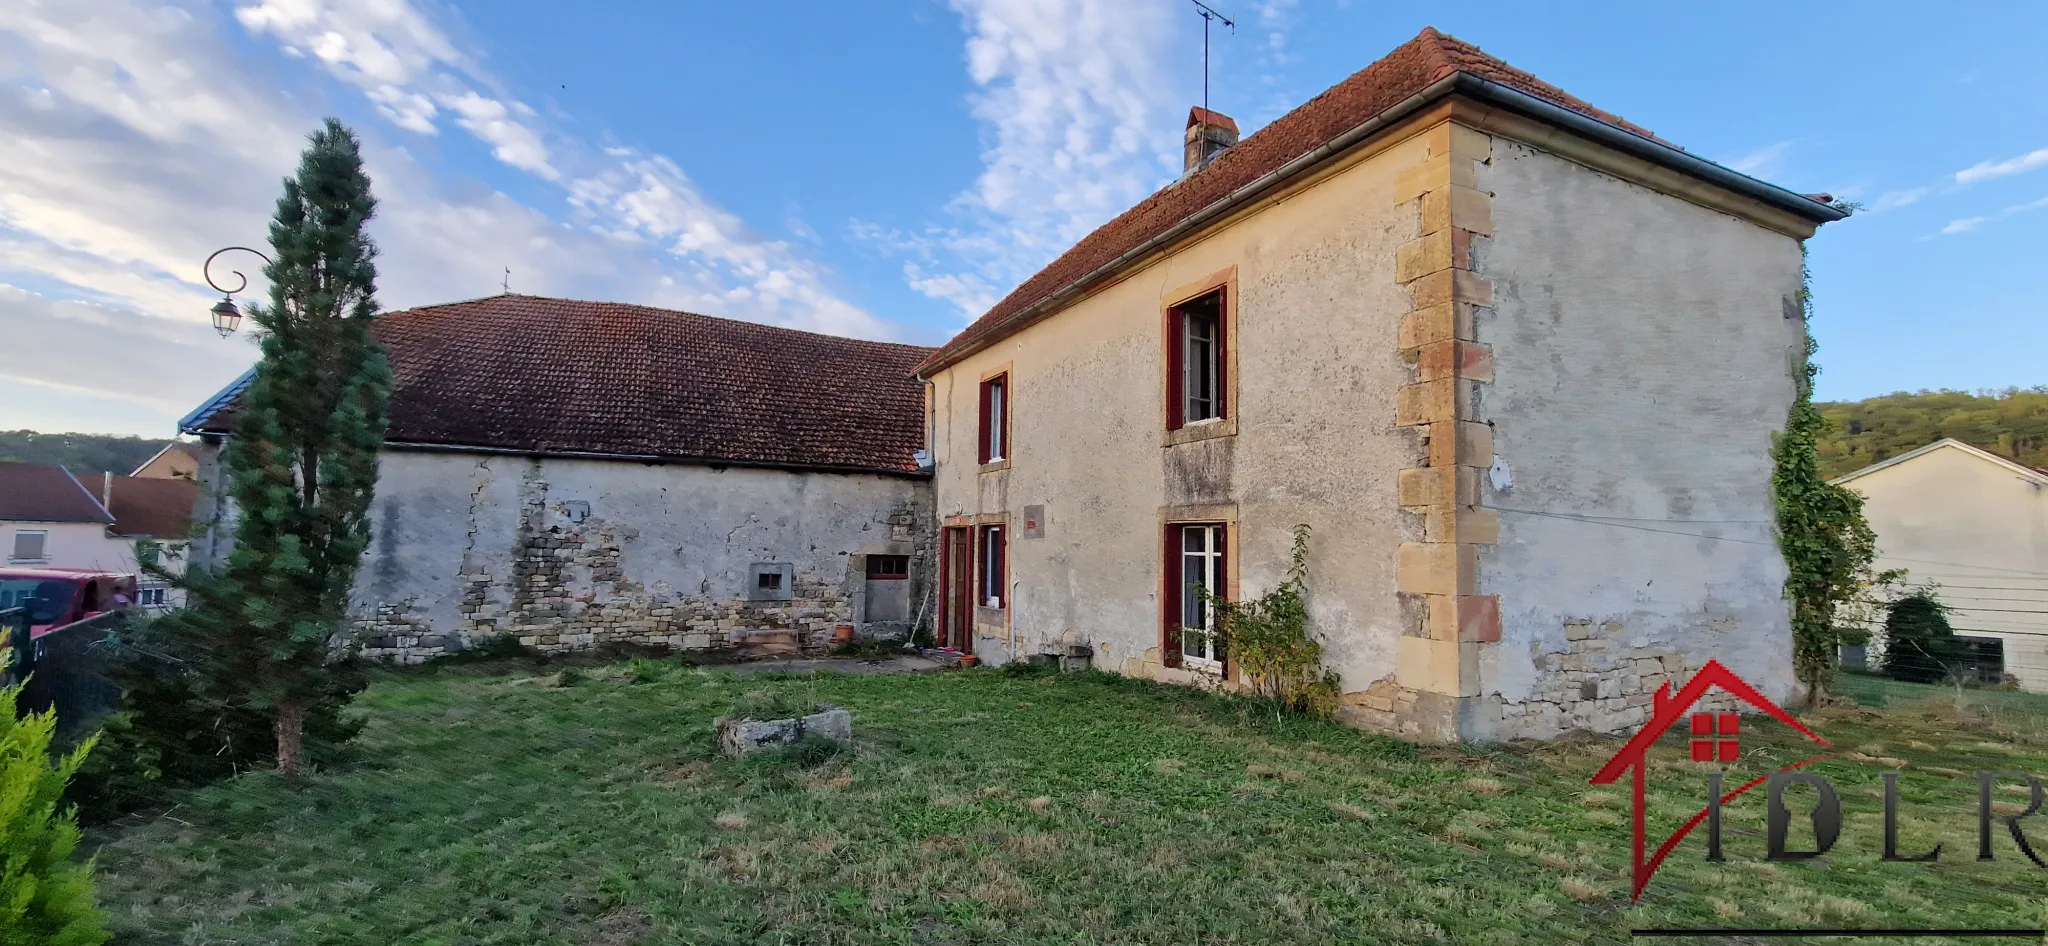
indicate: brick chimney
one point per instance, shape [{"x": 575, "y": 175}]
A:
[{"x": 1208, "y": 134}]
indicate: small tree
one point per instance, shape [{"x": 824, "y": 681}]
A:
[
  {"x": 1267, "y": 637},
  {"x": 1920, "y": 647},
  {"x": 45, "y": 896},
  {"x": 302, "y": 464}
]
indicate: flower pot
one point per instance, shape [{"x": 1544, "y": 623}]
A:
[
  {"x": 968, "y": 660},
  {"x": 842, "y": 634}
]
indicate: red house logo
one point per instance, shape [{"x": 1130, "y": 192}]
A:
[{"x": 1715, "y": 737}]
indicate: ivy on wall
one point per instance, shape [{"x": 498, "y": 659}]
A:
[{"x": 1828, "y": 546}]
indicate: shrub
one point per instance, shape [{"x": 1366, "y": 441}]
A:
[
  {"x": 1919, "y": 645},
  {"x": 1268, "y": 637},
  {"x": 45, "y": 896}
]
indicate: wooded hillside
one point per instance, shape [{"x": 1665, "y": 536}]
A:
[
  {"x": 2012, "y": 423},
  {"x": 80, "y": 453}
]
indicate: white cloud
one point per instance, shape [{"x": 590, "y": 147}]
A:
[
  {"x": 408, "y": 110},
  {"x": 1762, "y": 161},
  {"x": 1963, "y": 225},
  {"x": 139, "y": 139},
  {"x": 510, "y": 141},
  {"x": 1968, "y": 224},
  {"x": 1986, "y": 170},
  {"x": 1079, "y": 121},
  {"x": 1893, "y": 200}
]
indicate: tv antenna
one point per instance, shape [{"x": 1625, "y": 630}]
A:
[
  {"x": 507, "y": 284},
  {"x": 1208, "y": 13}
]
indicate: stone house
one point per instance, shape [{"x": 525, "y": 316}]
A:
[
  {"x": 1974, "y": 524},
  {"x": 1516, "y": 361},
  {"x": 571, "y": 474}
]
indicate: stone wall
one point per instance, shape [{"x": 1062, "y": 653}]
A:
[{"x": 565, "y": 555}]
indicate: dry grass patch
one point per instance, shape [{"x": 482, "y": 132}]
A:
[
  {"x": 1485, "y": 786},
  {"x": 1040, "y": 804},
  {"x": 1581, "y": 890},
  {"x": 730, "y": 819}
]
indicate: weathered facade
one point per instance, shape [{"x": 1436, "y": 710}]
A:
[
  {"x": 1516, "y": 363},
  {"x": 572, "y": 474}
]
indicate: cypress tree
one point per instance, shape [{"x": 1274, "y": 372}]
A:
[{"x": 302, "y": 464}]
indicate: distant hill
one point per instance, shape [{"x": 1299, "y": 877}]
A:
[
  {"x": 80, "y": 453},
  {"x": 2012, "y": 423}
]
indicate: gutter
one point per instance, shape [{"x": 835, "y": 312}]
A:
[{"x": 1484, "y": 89}]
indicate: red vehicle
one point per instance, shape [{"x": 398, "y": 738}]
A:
[{"x": 55, "y": 597}]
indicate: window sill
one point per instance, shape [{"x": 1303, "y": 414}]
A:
[
  {"x": 996, "y": 466},
  {"x": 1200, "y": 430}
]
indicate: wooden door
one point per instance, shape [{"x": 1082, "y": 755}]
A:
[{"x": 956, "y": 626}]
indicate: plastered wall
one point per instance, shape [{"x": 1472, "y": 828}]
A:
[
  {"x": 1315, "y": 374},
  {"x": 565, "y": 554},
  {"x": 1643, "y": 349}
]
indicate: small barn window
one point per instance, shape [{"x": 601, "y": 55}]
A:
[
  {"x": 770, "y": 581},
  {"x": 1197, "y": 354},
  {"x": 888, "y": 566}
]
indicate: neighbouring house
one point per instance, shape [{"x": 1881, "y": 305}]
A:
[
  {"x": 1516, "y": 361},
  {"x": 572, "y": 474},
  {"x": 1974, "y": 524},
  {"x": 52, "y": 519},
  {"x": 178, "y": 460}
]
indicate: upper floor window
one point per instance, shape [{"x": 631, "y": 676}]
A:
[
  {"x": 1197, "y": 361},
  {"x": 30, "y": 545},
  {"x": 995, "y": 418}
]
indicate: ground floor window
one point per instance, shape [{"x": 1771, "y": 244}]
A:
[
  {"x": 992, "y": 567},
  {"x": 1197, "y": 574},
  {"x": 1980, "y": 658},
  {"x": 150, "y": 597}
]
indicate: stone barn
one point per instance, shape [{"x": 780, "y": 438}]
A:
[{"x": 572, "y": 474}]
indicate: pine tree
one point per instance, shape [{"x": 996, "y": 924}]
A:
[
  {"x": 302, "y": 464},
  {"x": 46, "y": 897}
]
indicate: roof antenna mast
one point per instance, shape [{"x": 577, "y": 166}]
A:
[
  {"x": 1209, "y": 14},
  {"x": 507, "y": 284}
]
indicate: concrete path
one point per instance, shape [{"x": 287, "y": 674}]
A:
[{"x": 908, "y": 663}]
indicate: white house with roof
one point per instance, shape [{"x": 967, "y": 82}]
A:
[{"x": 1976, "y": 525}]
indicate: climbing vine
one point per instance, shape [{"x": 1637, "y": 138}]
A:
[
  {"x": 1268, "y": 638},
  {"x": 1828, "y": 545}
]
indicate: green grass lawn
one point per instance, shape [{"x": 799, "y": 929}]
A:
[{"x": 983, "y": 808}]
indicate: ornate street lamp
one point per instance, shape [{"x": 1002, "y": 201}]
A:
[{"x": 226, "y": 317}]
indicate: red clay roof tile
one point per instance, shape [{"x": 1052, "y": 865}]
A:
[
  {"x": 542, "y": 375},
  {"x": 158, "y": 507},
  {"x": 32, "y": 492}
]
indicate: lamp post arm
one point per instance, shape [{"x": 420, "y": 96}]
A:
[{"x": 207, "y": 270}]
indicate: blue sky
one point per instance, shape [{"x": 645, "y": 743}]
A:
[{"x": 888, "y": 169}]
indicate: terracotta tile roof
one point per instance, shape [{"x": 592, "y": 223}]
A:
[
  {"x": 544, "y": 375},
  {"x": 158, "y": 507},
  {"x": 1409, "y": 69},
  {"x": 32, "y": 492}
]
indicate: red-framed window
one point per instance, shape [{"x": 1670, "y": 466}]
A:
[
  {"x": 1197, "y": 361},
  {"x": 995, "y": 418},
  {"x": 991, "y": 566},
  {"x": 1716, "y": 736},
  {"x": 1196, "y": 561}
]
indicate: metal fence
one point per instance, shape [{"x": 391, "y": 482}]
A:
[{"x": 65, "y": 669}]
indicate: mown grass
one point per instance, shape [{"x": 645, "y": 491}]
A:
[{"x": 979, "y": 807}]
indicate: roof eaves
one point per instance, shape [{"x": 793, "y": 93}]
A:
[
  {"x": 191, "y": 423},
  {"x": 2030, "y": 474},
  {"x": 658, "y": 459},
  {"x": 1478, "y": 87}
]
